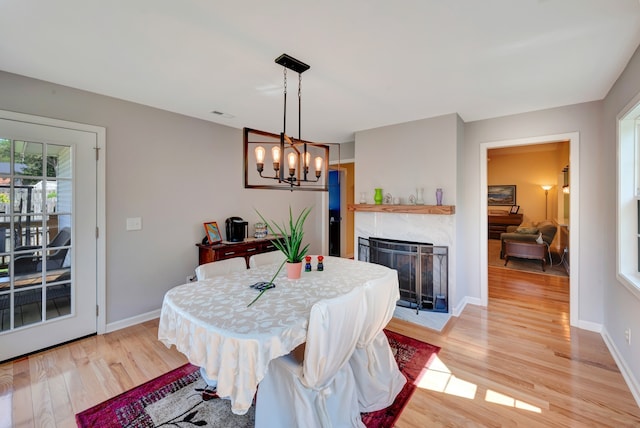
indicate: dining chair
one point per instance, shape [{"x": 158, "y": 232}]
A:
[
  {"x": 320, "y": 391},
  {"x": 220, "y": 267},
  {"x": 266, "y": 258},
  {"x": 377, "y": 376}
]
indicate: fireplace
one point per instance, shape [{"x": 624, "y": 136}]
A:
[{"x": 422, "y": 270}]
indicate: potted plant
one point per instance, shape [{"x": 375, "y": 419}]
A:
[{"x": 289, "y": 241}]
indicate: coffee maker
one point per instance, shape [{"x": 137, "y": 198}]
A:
[{"x": 237, "y": 229}]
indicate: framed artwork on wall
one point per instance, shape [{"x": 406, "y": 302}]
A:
[
  {"x": 212, "y": 231},
  {"x": 504, "y": 194}
]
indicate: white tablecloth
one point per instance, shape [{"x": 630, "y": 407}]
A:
[{"x": 210, "y": 323}]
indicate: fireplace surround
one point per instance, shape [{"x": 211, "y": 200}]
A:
[{"x": 422, "y": 270}]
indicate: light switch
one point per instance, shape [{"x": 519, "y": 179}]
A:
[{"x": 134, "y": 223}]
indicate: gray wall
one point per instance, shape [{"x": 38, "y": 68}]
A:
[
  {"x": 173, "y": 171},
  {"x": 400, "y": 158},
  {"x": 621, "y": 307}
]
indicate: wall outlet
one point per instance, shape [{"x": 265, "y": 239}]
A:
[
  {"x": 627, "y": 335},
  {"x": 566, "y": 250},
  {"x": 191, "y": 278}
]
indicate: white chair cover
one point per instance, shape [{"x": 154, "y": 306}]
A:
[
  {"x": 220, "y": 267},
  {"x": 378, "y": 378},
  {"x": 266, "y": 258},
  {"x": 211, "y": 269},
  {"x": 320, "y": 392}
]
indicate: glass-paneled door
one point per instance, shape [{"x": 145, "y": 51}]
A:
[{"x": 47, "y": 236}]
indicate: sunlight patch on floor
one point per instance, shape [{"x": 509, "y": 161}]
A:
[
  {"x": 505, "y": 400},
  {"x": 437, "y": 377}
]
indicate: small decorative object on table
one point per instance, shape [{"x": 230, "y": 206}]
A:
[
  {"x": 320, "y": 264},
  {"x": 213, "y": 233},
  {"x": 388, "y": 199},
  {"x": 412, "y": 199},
  {"x": 262, "y": 285},
  {"x": 260, "y": 230},
  {"x": 307, "y": 266},
  {"x": 377, "y": 197},
  {"x": 420, "y": 196},
  {"x": 438, "y": 196},
  {"x": 363, "y": 197}
]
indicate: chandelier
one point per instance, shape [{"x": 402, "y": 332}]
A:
[{"x": 297, "y": 164}]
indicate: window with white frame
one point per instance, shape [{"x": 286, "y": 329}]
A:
[{"x": 628, "y": 256}]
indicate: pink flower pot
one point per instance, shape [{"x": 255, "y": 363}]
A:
[{"x": 294, "y": 270}]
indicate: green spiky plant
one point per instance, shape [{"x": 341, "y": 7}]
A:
[{"x": 290, "y": 240}]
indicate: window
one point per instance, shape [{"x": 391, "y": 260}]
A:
[{"x": 628, "y": 256}]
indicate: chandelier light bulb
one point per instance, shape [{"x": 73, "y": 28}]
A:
[
  {"x": 275, "y": 153},
  {"x": 260, "y": 154},
  {"x": 292, "y": 160}
]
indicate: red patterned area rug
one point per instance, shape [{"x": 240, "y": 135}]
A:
[{"x": 180, "y": 397}]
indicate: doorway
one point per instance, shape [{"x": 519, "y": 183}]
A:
[
  {"x": 345, "y": 173},
  {"x": 335, "y": 214},
  {"x": 49, "y": 250},
  {"x": 574, "y": 219}
]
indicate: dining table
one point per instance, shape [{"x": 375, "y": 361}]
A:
[{"x": 213, "y": 323}]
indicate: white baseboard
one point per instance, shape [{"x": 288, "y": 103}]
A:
[
  {"x": 128, "y": 322},
  {"x": 627, "y": 374},
  {"x": 466, "y": 301},
  {"x": 590, "y": 326}
]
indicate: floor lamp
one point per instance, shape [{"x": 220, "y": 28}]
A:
[{"x": 546, "y": 188}]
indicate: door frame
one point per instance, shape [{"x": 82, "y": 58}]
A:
[
  {"x": 101, "y": 231},
  {"x": 574, "y": 214}
]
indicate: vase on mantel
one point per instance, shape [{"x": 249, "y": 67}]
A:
[
  {"x": 377, "y": 196},
  {"x": 438, "y": 196},
  {"x": 420, "y": 196}
]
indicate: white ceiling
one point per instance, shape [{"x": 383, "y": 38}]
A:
[{"x": 373, "y": 63}]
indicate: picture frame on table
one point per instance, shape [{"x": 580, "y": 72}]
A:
[
  {"x": 213, "y": 232},
  {"x": 514, "y": 209},
  {"x": 503, "y": 194}
]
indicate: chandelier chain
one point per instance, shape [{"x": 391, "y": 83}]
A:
[
  {"x": 300, "y": 107},
  {"x": 284, "y": 122}
]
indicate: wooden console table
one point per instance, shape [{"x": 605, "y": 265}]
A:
[
  {"x": 498, "y": 223},
  {"x": 228, "y": 250}
]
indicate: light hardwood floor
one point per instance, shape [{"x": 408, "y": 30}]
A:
[{"x": 516, "y": 363}]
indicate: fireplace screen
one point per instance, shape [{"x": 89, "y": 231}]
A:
[{"x": 422, "y": 270}]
